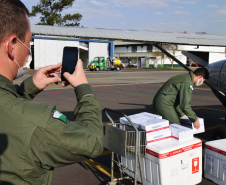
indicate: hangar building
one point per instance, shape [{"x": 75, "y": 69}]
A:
[{"x": 49, "y": 41}]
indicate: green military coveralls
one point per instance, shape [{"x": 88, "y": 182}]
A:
[
  {"x": 33, "y": 141},
  {"x": 174, "y": 98}
]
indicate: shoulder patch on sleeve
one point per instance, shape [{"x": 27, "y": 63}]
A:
[
  {"x": 60, "y": 116},
  {"x": 191, "y": 87}
]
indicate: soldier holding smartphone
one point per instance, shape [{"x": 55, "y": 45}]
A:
[{"x": 38, "y": 137}]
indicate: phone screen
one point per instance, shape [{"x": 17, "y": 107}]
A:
[{"x": 70, "y": 58}]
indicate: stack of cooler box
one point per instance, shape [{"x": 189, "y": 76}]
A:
[
  {"x": 172, "y": 156},
  {"x": 156, "y": 128},
  {"x": 215, "y": 161}
]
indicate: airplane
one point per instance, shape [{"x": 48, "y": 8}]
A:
[{"x": 217, "y": 70}]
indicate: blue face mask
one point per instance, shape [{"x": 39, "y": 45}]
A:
[{"x": 21, "y": 71}]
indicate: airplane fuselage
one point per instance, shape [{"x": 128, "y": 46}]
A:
[{"x": 217, "y": 75}]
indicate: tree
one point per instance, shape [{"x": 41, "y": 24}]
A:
[
  {"x": 171, "y": 48},
  {"x": 51, "y": 13}
]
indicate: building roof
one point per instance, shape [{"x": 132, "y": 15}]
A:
[{"x": 131, "y": 35}]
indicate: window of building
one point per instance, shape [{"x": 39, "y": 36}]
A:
[
  {"x": 149, "y": 48},
  {"x": 134, "y": 49}
]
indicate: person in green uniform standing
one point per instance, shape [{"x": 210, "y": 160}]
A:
[
  {"x": 173, "y": 100},
  {"x": 36, "y": 138}
]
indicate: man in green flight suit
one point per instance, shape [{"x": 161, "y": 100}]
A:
[
  {"x": 34, "y": 137},
  {"x": 174, "y": 97}
]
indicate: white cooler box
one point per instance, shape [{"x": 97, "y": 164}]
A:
[
  {"x": 170, "y": 162},
  {"x": 215, "y": 161}
]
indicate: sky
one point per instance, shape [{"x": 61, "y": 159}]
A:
[{"x": 191, "y": 16}]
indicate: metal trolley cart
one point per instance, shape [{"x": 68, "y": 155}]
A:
[{"x": 125, "y": 141}]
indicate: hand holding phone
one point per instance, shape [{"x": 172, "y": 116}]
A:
[
  {"x": 77, "y": 78},
  {"x": 70, "y": 58}
]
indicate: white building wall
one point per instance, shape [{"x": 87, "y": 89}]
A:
[
  {"x": 50, "y": 52},
  {"x": 213, "y": 57},
  {"x": 215, "y": 53},
  {"x": 98, "y": 49},
  {"x": 202, "y": 48}
]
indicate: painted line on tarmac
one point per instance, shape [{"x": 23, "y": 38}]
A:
[
  {"x": 128, "y": 87},
  {"x": 109, "y": 122},
  {"x": 209, "y": 109},
  {"x": 104, "y": 88},
  {"x": 214, "y": 127},
  {"x": 116, "y": 77},
  {"x": 102, "y": 168},
  {"x": 106, "y": 152}
]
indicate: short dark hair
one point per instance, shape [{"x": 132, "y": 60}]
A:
[
  {"x": 13, "y": 19},
  {"x": 202, "y": 72}
]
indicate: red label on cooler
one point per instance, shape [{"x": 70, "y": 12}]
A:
[
  {"x": 215, "y": 149},
  {"x": 195, "y": 165},
  {"x": 174, "y": 152}
]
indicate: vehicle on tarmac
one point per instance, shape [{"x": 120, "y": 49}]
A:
[{"x": 102, "y": 63}]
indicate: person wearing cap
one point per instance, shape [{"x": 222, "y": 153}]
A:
[
  {"x": 36, "y": 138},
  {"x": 173, "y": 100}
]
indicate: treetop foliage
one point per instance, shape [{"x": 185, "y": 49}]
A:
[{"x": 51, "y": 10}]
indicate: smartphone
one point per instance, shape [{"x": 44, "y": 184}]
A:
[{"x": 70, "y": 58}]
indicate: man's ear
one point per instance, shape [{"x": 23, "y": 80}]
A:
[{"x": 10, "y": 46}]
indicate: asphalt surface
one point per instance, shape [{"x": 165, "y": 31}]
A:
[{"x": 131, "y": 92}]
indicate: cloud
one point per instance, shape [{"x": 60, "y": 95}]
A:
[
  {"x": 222, "y": 12},
  {"x": 143, "y": 3},
  {"x": 181, "y": 13},
  {"x": 158, "y": 13},
  {"x": 180, "y": 7},
  {"x": 220, "y": 21},
  {"x": 189, "y": 2},
  {"x": 34, "y": 20},
  {"x": 212, "y": 6},
  {"x": 171, "y": 26},
  {"x": 96, "y": 13},
  {"x": 98, "y": 3}
]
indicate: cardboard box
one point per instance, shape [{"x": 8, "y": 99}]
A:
[
  {"x": 153, "y": 125},
  {"x": 158, "y": 135},
  {"x": 140, "y": 117},
  {"x": 188, "y": 123},
  {"x": 147, "y": 122},
  {"x": 181, "y": 133},
  {"x": 215, "y": 161},
  {"x": 170, "y": 162}
]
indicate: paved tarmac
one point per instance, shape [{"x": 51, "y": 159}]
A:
[{"x": 128, "y": 91}]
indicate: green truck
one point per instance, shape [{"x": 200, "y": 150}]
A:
[{"x": 100, "y": 63}]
